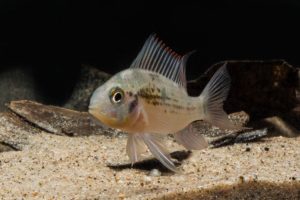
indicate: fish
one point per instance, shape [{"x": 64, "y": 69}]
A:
[{"x": 149, "y": 100}]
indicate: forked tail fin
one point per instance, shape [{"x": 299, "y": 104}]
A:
[{"x": 212, "y": 98}]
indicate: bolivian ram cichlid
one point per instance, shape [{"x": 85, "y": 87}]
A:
[{"x": 150, "y": 99}]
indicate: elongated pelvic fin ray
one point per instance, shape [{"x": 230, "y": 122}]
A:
[
  {"x": 156, "y": 148},
  {"x": 157, "y": 57}
]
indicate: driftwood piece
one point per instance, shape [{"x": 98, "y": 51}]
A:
[
  {"x": 57, "y": 120},
  {"x": 14, "y": 132}
]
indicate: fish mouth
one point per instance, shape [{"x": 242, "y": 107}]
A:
[
  {"x": 110, "y": 121},
  {"x": 106, "y": 119}
]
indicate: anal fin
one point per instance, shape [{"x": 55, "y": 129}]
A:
[{"x": 190, "y": 139}]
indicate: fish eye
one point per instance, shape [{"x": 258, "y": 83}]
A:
[{"x": 116, "y": 95}]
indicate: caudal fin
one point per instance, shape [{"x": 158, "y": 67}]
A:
[{"x": 213, "y": 96}]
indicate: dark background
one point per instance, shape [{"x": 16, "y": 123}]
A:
[{"x": 53, "y": 38}]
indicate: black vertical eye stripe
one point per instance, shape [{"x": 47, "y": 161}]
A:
[
  {"x": 133, "y": 104},
  {"x": 130, "y": 94}
]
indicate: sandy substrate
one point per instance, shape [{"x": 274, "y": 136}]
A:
[{"x": 60, "y": 167}]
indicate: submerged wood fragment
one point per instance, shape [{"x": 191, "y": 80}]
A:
[
  {"x": 57, "y": 120},
  {"x": 244, "y": 137},
  {"x": 14, "y": 132}
]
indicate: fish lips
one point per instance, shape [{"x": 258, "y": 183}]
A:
[{"x": 108, "y": 118}]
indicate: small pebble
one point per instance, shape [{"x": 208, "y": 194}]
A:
[
  {"x": 248, "y": 149},
  {"x": 241, "y": 179},
  {"x": 122, "y": 196},
  {"x": 154, "y": 172},
  {"x": 147, "y": 179},
  {"x": 267, "y": 148}
]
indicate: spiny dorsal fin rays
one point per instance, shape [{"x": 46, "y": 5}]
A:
[
  {"x": 152, "y": 52},
  {"x": 157, "y": 57}
]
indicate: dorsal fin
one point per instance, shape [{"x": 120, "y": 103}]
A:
[{"x": 157, "y": 57}]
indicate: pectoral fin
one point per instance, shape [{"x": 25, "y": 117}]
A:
[
  {"x": 135, "y": 147},
  {"x": 190, "y": 139}
]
